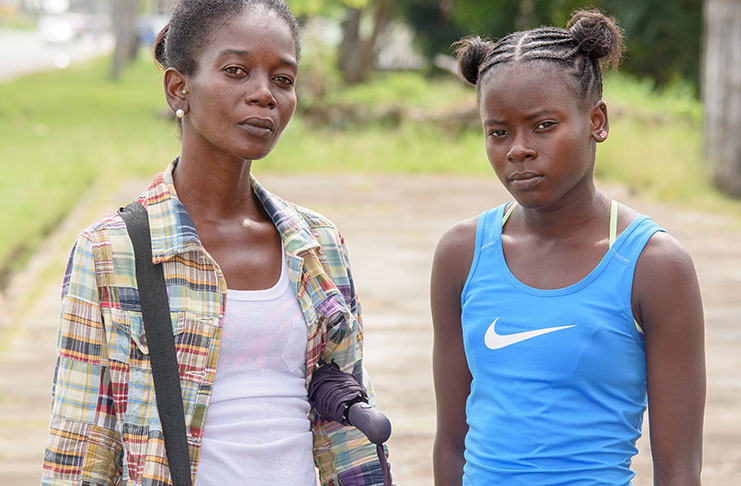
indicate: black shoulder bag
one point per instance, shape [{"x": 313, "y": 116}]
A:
[{"x": 158, "y": 330}]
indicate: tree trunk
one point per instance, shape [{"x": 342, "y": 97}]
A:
[
  {"x": 721, "y": 92},
  {"x": 124, "y": 30},
  {"x": 356, "y": 55},
  {"x": 350, "y": 46}
]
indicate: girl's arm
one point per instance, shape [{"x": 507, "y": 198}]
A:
[
  {"x": 667, "y": 303},
  {"x": 452, "y": 377}
]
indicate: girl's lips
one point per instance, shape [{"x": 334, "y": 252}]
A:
[{"x": 525, "y": 180}]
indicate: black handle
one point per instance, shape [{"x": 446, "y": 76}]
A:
[{"x": 375, "y": 425}]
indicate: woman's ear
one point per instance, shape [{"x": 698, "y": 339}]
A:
[
  {"x": 175, "y": 91},
  {"x": 599, "y": 123}
]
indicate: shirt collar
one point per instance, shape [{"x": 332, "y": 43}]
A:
[{"x": 173, "y": 232}]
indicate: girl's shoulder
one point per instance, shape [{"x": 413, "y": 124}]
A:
[
  {"x": 461, "y": 237},
  {"x": 454, "y": 254}
]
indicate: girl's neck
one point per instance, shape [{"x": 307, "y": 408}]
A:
[{"x": 569, "y": 217}]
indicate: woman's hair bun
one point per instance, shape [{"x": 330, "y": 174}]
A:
[
  {"x": 158, "y": 50},
  {"x": 471, "y": 52},
  {"x": 598, "y": 36}
]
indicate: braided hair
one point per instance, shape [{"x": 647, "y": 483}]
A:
[
  {"x": 192, "y": 21},
  {"x": 590, "y": 42}
]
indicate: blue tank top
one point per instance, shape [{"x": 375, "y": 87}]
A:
[{"x": 559, "y": 376}]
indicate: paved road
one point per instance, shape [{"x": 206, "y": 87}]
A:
[
  {"x": 392, "y": 224},
  {"x": 22, "y": 52}
]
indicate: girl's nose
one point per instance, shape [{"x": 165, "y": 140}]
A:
[{"x": 520, "y": 150}]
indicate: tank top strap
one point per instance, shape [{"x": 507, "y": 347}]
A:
[
  {"x": 631, "y": 242},
  {"x": 488, "y": 233},
  {"x": 490, "y": 224}
]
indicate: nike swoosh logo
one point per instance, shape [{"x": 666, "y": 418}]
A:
[{"x": 497, "y": 341}]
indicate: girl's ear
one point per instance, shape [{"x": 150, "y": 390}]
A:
[
  {"x": 175, "y": 90},
  {"x": 599, "y": 123}
]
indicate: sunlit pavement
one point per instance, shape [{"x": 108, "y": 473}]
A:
[
  {"x": 24, "y": 52},
  {"x": 391, "y": 224}
]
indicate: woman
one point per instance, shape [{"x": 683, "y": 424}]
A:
[{"x": 260, "y": 290}]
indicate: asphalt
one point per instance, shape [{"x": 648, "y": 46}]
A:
[{"x": 23, "y": 52}]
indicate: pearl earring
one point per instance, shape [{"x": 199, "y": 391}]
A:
[
  {"x": 179, "y": 113},
  {"x": 185, "y": 91}
]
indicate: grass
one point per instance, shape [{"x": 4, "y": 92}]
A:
[
  {"x": 62, "y": 130},
  {"x": 408, "y": 148}
]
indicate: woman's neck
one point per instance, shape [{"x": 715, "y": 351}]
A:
[{"x": 215, "y": 187}]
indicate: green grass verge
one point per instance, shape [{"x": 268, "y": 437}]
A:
[{"x": 64, "y": 129}]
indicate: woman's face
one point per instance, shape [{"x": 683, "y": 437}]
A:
[
  {"x": 539, "y": 140},
  {"x": 242, "y": 95}
]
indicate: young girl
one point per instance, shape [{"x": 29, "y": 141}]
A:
[
  {"x": 260, "y": 290},
  {"x": 555, "y": 315}
]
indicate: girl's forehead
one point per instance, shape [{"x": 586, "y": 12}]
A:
[{"x": 525, "y": 84}]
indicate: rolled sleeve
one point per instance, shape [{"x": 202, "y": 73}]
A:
[
  {"x": 344, "y": 455},
  {"x": 83, "y": 445}
]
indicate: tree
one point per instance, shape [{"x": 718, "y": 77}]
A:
[
  {"x": 721, "y": 91},
  {"x": 663, "y": 36},
  {"x": 124, "y": 29},
  {"x": 356, "y": 54}
]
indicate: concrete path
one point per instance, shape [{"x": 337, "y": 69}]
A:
[{"x": 391, "y": 224}]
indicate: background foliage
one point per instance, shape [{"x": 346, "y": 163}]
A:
[{"x": 663, "y": 36}]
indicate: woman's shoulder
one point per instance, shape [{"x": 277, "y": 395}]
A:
[
  {"x": 105, "y": 234},
  {"x": 312, "y": 218}
]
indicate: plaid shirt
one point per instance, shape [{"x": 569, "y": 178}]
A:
[{"x": 105, "y": 428}]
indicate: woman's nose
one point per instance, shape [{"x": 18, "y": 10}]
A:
[{"x": 261, "y": 93}]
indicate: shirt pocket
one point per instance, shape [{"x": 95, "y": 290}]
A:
[
  {"x": 131, "y": 371},
  {"x": 294, "y": 354},
  {"x": 194, "y": 335}
]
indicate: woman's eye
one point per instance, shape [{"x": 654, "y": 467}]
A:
[
  {"x": 235, "y": 70},
  {"x": 544, "y": 125},
  {"x": 497, "y": 133}
]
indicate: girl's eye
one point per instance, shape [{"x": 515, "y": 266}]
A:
[
  {"x": 497, "y": 133},
  {"x": 544, "y": 125}
]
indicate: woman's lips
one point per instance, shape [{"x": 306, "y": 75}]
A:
[{"x": 261, "y": 127}]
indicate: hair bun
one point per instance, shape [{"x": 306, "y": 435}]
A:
[
  {"x": 158, "y": 49},
  {"x": 597, "y": 35},
  {"x": 471, "y": 52}
]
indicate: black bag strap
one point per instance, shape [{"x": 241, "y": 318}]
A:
[{"x": 158, "y": 330}]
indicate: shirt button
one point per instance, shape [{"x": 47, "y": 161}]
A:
[{"x": 143, "y": 342}]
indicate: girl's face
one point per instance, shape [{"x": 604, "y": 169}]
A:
[
  {"x": 242, "y": 95},
  {"x": 538, "y": 139}
]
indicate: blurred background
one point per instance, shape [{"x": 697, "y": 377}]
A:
[{"x": 84, "y": 125}]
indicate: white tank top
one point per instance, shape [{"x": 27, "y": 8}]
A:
[{"x": 257, "y": 430}]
